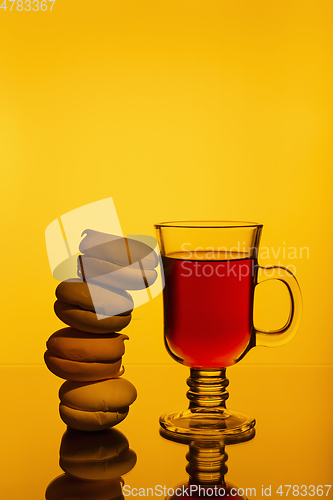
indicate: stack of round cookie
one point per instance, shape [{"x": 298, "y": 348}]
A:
[{"x": 97, "y": 306}]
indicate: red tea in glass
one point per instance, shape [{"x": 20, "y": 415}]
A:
[{"x": 208, "y": 309}]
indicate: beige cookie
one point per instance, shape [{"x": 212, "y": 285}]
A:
[
  {"x": 112, "y": 275},
  {"x": 95, "y": 298},
  {"x": 105, "y": 396},
  {"x": 121, "y": 251},
  {"x": 91, "y": 421},
  {"x": 87, "y": 321},
  {"x": 69, "y": 343},
  {"x": 82, "y": 371}
]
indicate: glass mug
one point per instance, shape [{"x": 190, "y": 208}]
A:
[{"x": 211, "y": 271}]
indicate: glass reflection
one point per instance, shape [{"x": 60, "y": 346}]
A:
[{"x": 207, "y": 467}]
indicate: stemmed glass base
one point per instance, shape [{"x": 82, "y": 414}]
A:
[{"x": 207, "y": 414}]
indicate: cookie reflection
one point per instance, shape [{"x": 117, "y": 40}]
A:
[
  {"x": 93, "y": 463},
  {"x": 96, "y": 455},
  {"x": 67, "y": 487}
]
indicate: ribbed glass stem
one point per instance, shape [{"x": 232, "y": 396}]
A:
[{"x": 207, "y": 390}]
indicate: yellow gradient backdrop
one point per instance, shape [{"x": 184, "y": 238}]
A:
[{"x": 181, "y": 109}]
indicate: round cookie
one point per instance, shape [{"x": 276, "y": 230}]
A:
[
  {"x": 121, "y": 251},
  {"x": 101, "y": 455},
  {"x": 95, "y": 298},
  {"x": 87, "y": 320},
  {"x": 69, "y": 343},
  {"x": 108, "y": 395},
  {"x": 89, "y": 421},
  {"x": 111, "y": 275},
  {"x": 67, "y": 487},
  {"x": 93, "y": 406},
  {"x": 82, "y": 371}
]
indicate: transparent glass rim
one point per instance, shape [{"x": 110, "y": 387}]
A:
[{"x": 203, "y": 224}]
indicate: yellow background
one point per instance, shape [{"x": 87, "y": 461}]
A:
[{"x": 177, "y": 110}]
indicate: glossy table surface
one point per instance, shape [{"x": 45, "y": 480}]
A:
[{"x": 293, "y": 444}]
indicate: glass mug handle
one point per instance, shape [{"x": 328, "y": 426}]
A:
[{"x": 272, "y": 338}]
